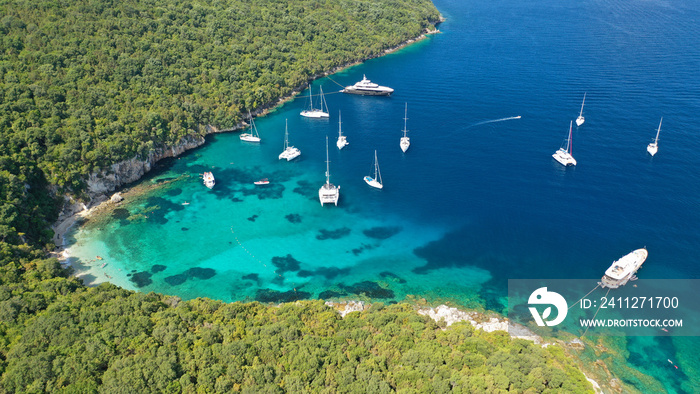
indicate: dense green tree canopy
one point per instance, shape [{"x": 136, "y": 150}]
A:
[
  {"x": 110, "y": 340},
  {"x": 87, "y": 83}
]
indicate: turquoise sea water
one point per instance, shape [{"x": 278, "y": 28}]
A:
[{"x": 476, "y": 200}]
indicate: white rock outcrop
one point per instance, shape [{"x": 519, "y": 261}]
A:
[{"x": 127, "y": 171}]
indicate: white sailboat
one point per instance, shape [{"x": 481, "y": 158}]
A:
[
  {"x": 405, "y": 141},
  {"x": 375, "y": 181},
  {"x": 289, "y": 152},
  {"x": 253, "y": 135},
  {"x": 316, "y": 113},
  {"x": 328, "y": 193},
  {"x": 342, "y": 141},
  {"x": 564, "y": 155},
  {"x": 581, "y": 119},
  {"x": 653, "y": 147}
]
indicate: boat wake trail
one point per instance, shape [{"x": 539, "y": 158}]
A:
[{"x": 495, "y": 120}]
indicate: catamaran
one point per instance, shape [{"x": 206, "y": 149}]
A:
[
  {"x": 316, "y": 113},
  {"x": 623, "y": 270},
  {"x": 208, "y": 178},
  {"x": 342, "y": 141},
  {"x": 653, "y": 147},
  {"x": 375, "y": 181},
  {"x": 405, "y": 141},
  {"x": 564, "y": 155},
  {"x": 328, "y": 193},
  {"x": 253, "y": 135},
  {"x": 581, "y": 119},
  {"x": 289, "y": 152}
]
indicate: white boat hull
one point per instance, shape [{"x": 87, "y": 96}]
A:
[
  {"x": 652, "y": 148},
  {"x": 405, "y": 144},
  {"x": 564, "y": 158},
  {"x": 314, "y": 114},
  {"x": 365, "y": 92},
  {"x": 373, "y": 182},
  {"x": 208, "y": 179},
  {"x": 329, "y": 194},
  {"x": 249, "y": 138},
  {"x": 290, "y": 153},
  {"x": 580, "y": 120},
  {"x": 622, "y": 270},
  {"x": 342, "y": 142}
]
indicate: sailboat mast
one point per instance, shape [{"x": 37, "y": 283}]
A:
[
  {"x": 656, "y": 140},
  {"x": 339, "y": 132},
  {"x": 405, "y": 118},
  {"x": 571, "y": 146},
  {"x": 286, "y": 135},
  {"x": 323, "y": 100},
  {"x": 328, "y": 174},
  {"x": 584, "y": 101}
]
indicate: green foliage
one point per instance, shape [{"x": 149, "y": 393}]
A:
[
  {"x": 112, "y": 340},
  {"x": 92, "y": 82}
]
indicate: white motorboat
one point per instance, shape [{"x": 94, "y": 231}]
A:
[
  {"x": 564, "y": 155},
  {"x": 289, "y": 152},
  {"x": 405, "y": 142},
  {"x": 316, "y": 113},
  {"x": 653, "y": 147},
  {"x": 368, "y": 88},
  {"x": 581, "y": 119},
  {"x": 328, "y": 193},
  {"x": 376, "y": 180},
  {"x": 208, "y": 178},
  {"x": 623, "y": 270},
  {"x": 342, "y": 141}
]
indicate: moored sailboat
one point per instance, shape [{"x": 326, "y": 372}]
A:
[
  {"x": 581, "y": 119},
  {"x": 289, "y": 152},
  {"x": 376, "y": 180},
  {"x": 342, "y": 141},
  {"x": 253, "y": 135},
  {"x": 653, "y": 147},
  {"x": 316, "y": 113},
  {"x": 564, "y": 155},
  {"x": 405, "y": 142},
  {"x": 328, "y": 193}
]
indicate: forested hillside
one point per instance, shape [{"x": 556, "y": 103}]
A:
[
  {"x": 109, "y": 340},
  {"x": 86, "y": 83},
  {"x": 90, "y": 82}
]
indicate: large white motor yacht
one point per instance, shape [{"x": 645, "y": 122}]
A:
[
  {"x": 622, "y": 270},
  {"x": 368, "y": 88}
]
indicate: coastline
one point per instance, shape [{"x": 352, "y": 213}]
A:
[
  {"x": 445, "y": 316},
  {"x": 74, "y": 211}
]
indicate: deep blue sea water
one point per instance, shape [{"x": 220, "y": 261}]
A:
[{"x": 477, "y": 199}]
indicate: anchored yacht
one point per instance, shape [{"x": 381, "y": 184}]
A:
[
  {"x": 368, "y": 88},
  {"x": 623, "y": 270},
  {"x": 565, "y": 155},
  {"x": 208, "y": 178},
  {"x": 328, "y": 193}
]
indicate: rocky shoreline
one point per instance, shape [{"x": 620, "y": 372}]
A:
[{"x": 445, "y": 316}]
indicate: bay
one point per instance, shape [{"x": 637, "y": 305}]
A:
[{"x": 475, "y": 201}]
